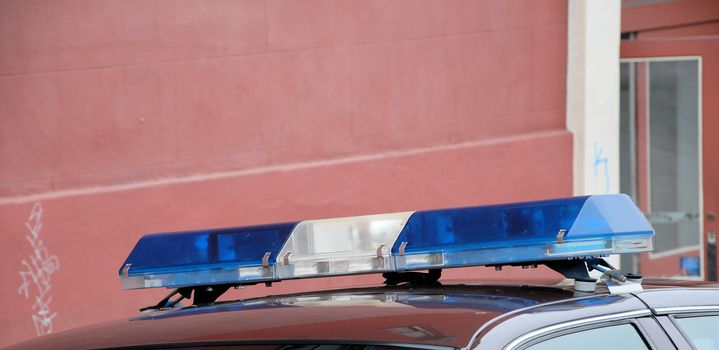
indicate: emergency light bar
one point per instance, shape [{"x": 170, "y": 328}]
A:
[{"x": 560, "y": 229}]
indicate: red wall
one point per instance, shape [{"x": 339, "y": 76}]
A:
[{"x": 127, "y": 117}]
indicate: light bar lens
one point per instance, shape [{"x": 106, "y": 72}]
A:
[
  {"x": 522, "y": 232},
  {"x": 341, "y": 246},
  {"x": 204, "y": 257},
  {"x": 529, "y": 232}
]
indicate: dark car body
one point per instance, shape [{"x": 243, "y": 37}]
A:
[{"x": 437, "y": 317}]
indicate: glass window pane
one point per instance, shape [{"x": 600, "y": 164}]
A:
[
  {"x": 674, "y": 153},
  {"x": 623, "y": 336},
  {"x": 702, "y": 331}
]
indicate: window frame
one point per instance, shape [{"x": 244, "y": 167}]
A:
[
  {"x": 672, "y": 317},
  {"x": 528, "y": 339},
  {"x": 633, "y": 322},
  {"x": 701, "y": 246}
]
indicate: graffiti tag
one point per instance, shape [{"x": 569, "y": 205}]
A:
[
  {"x": 36, "y": 273},
  {"x": 601, "y": 168}
]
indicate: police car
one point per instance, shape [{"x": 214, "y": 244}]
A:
[{"x": 413, "y": 309}]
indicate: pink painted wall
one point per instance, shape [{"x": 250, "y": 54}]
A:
[{"x": 127, "y": 117}]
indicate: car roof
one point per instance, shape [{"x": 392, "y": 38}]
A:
[{"x": 448, "y": 316}]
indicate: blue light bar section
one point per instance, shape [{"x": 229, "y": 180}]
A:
[
  {"x": 205, "y": 257},
  {"x": 595, "y": 225}
]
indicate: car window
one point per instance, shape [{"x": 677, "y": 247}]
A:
[
  {"x": 623, "y": 336},
  {"x": 703, "y": 331}
]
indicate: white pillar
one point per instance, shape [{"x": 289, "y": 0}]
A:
[{"x": 593, "y": 95}]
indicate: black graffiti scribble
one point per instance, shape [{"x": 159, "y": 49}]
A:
[{"x": 36, "y": 273}]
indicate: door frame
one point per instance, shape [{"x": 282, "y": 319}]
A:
[{"x": 700, "y": 153}]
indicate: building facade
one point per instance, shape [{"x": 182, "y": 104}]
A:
[
  {"x": 120, "y": 118},
  {"x": 669, "y": 114}
]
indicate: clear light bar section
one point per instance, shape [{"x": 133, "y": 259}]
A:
[
  {"x": 206, "y": 257},
  {"x": 359, "y": 244},
  {"x": 522, "y": 232}
]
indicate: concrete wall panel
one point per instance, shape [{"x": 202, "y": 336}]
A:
[{"x": 126, "y": 117}]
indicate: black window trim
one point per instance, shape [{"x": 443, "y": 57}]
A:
[{"x": 656, "y": 334}]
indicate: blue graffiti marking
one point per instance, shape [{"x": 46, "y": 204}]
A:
[{"x": 601, "y": 162}]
